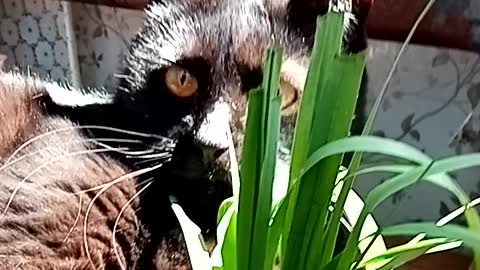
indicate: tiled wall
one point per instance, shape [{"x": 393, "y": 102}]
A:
[
  {"x": 102, "y": 35},
  {"x": 430, "y": 96},
  {"x": 32, "y": 33}
]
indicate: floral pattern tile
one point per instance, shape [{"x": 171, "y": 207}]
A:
[
  {"x": 431, "y": 104},
  {"x": 98, "y": 30},
  {"x": 30, "y": 33}
]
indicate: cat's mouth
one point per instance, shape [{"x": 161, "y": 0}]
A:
[{"x": 199, "y": 183}]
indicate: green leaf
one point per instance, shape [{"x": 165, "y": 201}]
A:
[
  {"x": 403, "y": 258},
  {"x": 369, "y": 144},
  {"x": 264, "y": 204},
  {"x": 469, "y": 237},
  {"x": 349, "y": 86},
  {"x": 324, "y": 116},
  {"x": 274, "y": 232},
  {"x": 222, "y": 210},
  {"x": 390, "y": 147},
  {"x": 249, "y": 169},
  {"x": 436, "y": 175},
  {"x": 258, "y": 166},
  {"x": 399, "y": 255},
  {"x": 224, "y": 255}
]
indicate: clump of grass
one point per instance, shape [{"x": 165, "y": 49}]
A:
[{"x": 300, "y": 230}]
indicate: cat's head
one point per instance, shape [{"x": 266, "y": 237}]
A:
[{"x": 191, "y": 66}]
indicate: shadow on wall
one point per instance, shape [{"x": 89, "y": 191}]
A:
[{"x": 3, "y": 59}]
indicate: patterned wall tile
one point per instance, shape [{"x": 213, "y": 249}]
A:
[
  {"x": 103, "y": 34},
  {"x": 32, "y": 35}
]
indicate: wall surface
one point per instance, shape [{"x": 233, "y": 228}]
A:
[
  {"x": 32, "y": 33},
  {"x": 432, "y": 92}
]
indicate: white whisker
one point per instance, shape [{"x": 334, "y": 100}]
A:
[
  {"x": 17, "y": 188},
  {"x": 76, "y": 219},
  {"x": 13, "y": 162},
  {"x": 105, "y": 188},
  {"x": 117, "y": 220},
  {"x": 133, "y": 133},
  {"x": 157, "y": 155}
]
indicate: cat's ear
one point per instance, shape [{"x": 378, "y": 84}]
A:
[
  {"x": 302, "y": 15},
  {"x": 67, "y": 96}
]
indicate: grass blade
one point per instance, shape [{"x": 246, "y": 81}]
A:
[
  {"x": 258, "y": 166},
  {"x": 357, "y": 156},
  {"x": 352, "y": 67},
  {"x": 369, "y": 144},
  {"x": 307, "y": 214},
  {"x": 390, "y": 147},
  {"x": 393, "y": 257},
  {"x": 249, "y": 169},
  {"x": 224, "y": 256},
  {"x": 264, "y": 204},
  {"x": 453, "y": 232}
]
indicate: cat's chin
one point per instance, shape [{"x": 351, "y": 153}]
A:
[
  {"x": 200, "y": 195},
  {"x": 191, "y": 170}
]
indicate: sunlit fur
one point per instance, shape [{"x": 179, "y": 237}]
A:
[
  {"x": 82, "y": 157},
  {"x": 43, "y": 226}
]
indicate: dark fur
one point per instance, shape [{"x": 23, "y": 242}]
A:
[{"x": 224, "y": 51}]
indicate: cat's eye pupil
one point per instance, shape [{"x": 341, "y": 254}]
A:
[
  {"x": 180, "y": 83},
  {"x": 183, "y": 78}
]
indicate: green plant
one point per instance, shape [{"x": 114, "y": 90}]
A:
[{"x": 301, "y": 228}]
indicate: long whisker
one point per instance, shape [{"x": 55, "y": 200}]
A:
[
  {"x": 114, "y": 241},
  {"x": 152, "y": 160},
  {"x": 100, "y": 186},
  {"x": 137, "y": 163},
  {"x": 105, "y": 188},
  {"x": 13, "y": 162},
  {"x": 76, "y": 219},
  {"x": 156, "y": 155},
  {"x": 133, "y": 133},
  {"x": 133, "y": 153},
  {"x": 121, "y": 76},
  {"x": 45, "y": 165}
]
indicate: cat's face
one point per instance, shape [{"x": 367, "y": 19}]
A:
[{"x": 189, "y": 69}]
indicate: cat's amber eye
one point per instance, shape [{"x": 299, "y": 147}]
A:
[
  {"x": 289, "y": 97},
  {"x": 180, "y": 82}
]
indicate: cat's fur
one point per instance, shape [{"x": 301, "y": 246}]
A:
[{"x": 222, "y": 43}]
